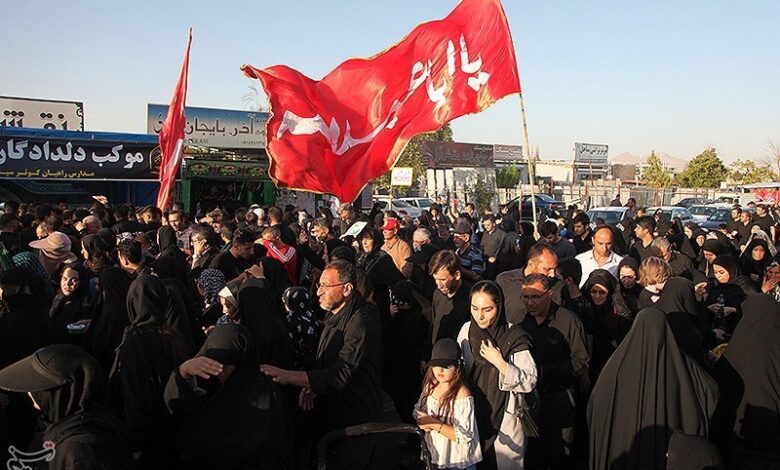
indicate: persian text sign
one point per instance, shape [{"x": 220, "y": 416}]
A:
[
  {"x": 217, "y": 128},
  {"x": 41, "y": 114},
  {"x": 42, "y": 158}
]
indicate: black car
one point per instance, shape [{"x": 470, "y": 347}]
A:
[
  {"x": 721, "y": 216},
  {"x": 546, "y": 207},
  {"x": 690, "y": 201}
]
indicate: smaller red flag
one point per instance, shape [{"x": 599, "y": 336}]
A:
[{"x": 172, "y": 134}]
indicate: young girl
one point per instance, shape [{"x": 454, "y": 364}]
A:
[{"x": 445, "y": 411}]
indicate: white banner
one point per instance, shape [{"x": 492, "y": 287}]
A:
[{"x": 401, "y": 176}]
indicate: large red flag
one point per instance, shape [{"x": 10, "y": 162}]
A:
[
  {"x": 172, "y": 134},
  {"x": 337, "y": 134}
]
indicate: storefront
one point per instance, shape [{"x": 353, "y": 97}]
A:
[{"x": 228, "y": 182}]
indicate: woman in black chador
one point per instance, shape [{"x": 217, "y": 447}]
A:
[
  {"x": 647, "y": 389},
  {"x": 227, "y": 414}
]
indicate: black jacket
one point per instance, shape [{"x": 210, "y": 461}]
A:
[
  {"x": 348, "y": 377},
  {"x": 449, "y": 314}
]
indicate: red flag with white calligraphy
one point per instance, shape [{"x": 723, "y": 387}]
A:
[
  {"x": 172, "y": 134},
  {"x": 337, "y": 134}
]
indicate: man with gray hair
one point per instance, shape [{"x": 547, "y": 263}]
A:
[
  {"x": 420, "y": 237},
  {"x": 90, "y": 225},
  {"x": 681, "y": 265}
]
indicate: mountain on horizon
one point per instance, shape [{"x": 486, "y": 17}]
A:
[{"x": 673, "y": 163}]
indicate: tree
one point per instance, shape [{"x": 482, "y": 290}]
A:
[
  {"x": 508, "y": 177},
  {"x": 706, "y": 170},
  {"x": 411, "y": 156},
  {"x": 774, "y": 154},
  {"x": 748, "y": 171},
  {"x": 655, "y": 174},
  {"x": 252, "y": 99}
]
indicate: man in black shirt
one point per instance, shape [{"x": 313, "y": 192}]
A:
[
  {"x": 275, "y": 220},
  {"x": 451, "y": 306},
  {"x": 239, "y": 257},
  {"x": 541, "y": 260},
  {"x": 347, "y": 378},
  {"x": 561, "y": 358},
  {"x": 494, "y": 249},
  {"x": 123, "y": 223},
  {"x": 765, "y": 221},
  {"x": 744, "y": 229},
  {"x": 640, "y": 249},
  {"x": 583, "y": 235}
]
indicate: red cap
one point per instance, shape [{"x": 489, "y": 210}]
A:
[{"x": 391, "y": 224}]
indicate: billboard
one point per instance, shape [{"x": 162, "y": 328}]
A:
[
  {"x": 508, "y": 153},
  {"x": 456, "y": 155},
  {"x": 41, "y": 114},
  {"x": 592, "y": 154},
  {"x": 216, "y": 128}
]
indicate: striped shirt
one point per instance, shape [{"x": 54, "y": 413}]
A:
[{"x": 472, "y": 259}]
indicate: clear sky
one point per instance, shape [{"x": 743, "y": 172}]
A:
[{"x": 674, "y": 76}]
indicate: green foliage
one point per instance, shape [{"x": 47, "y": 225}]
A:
[
  {"x": 508, "y": 177},
  {"x": 411, "y": 156},
  {"x": 706, "y": 170},
  {"x": 748, "y": 172},
  {"x": 655, "y": 174},
  {"x": 482, "y": 195}
]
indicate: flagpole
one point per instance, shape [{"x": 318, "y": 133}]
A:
[{"x": 531, "y": 167}]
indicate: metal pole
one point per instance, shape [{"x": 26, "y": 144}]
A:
[{"x": 531, "y": 169}]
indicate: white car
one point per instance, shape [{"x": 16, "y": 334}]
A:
[
  {"x": 610, "y": 215},
  {"x": 422, "y": 202},
  {"x": 402, "y": 208},
  {"x": 701, "y": 213}
]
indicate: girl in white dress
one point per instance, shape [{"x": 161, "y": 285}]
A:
[{"x": 446, "y": 411}]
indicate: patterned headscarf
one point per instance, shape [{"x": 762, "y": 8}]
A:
[
  {"x": 27, "y": 260},
  {"x": 212, "y": 281}
]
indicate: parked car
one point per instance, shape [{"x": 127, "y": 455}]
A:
[
  {"x": 672, "y": 212},
  {"x": 423, "y": 203},
  {"x": 402, "y": 208},
  {"x": 610, "y": 215},
  {"x": 701, "y": 213},
  {"x": 730, "y": 200},
  {"x": 690, "y": 201},
  {"x": 546, "y": 207},
  {"x": 720, "y": 216}
]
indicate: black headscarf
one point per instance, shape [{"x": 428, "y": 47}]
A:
[
  {"x": 489, "y": 400},
  {"x": 749, "y": 376},
  {"x": 647, "y": 389},
  {"x": 109, "y": 318},
  {"x": 97, "y": 251},
  {"x": 751, "y": 267},
  {"x": 261, "y": 315},
  {"x": 23, "y": 320},
  {"x": 685, "y": 317},
  {"x": 84, "y": 383},
  {"x": 242, "y": 421},
  {"x": 735, "y": 290},
  {"x": 612, "y": 320},
  {"x": 367, "y": 260},
  {"x": 631, "y": 296},
  {"x": 147, "y": 299},
  {"x": 166, "y": 239},
  {"x": 66, "y": 309}
]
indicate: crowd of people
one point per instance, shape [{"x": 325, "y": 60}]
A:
[{"x": 136, "y": 338}]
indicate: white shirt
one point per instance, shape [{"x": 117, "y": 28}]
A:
[
  {"x": 589, "y": 264},
  {"x": 465, "y": 450}
]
